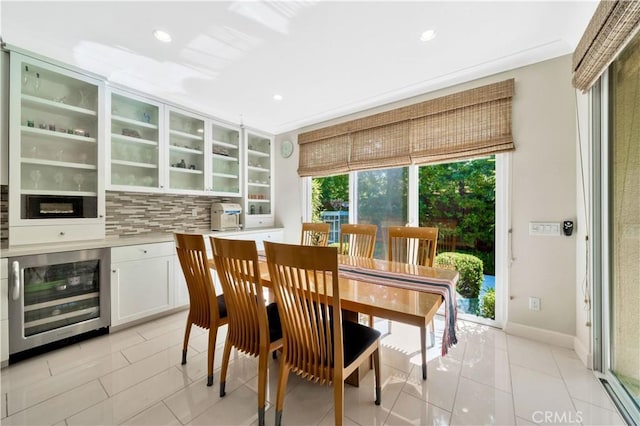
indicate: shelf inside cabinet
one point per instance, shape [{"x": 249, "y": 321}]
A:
[
  {"x": 258, "y": 200},
  {"x": 134, "y": 164},
  {"x": 56, "y": 192},
  {"x": 133, "y": 140},
  {"x": 225, "y": 175},
  {"x": 257, "y": 169},
  {"x": 52, "y": 134},
  {"x": 225, "y": 144},
  {"x": 225, "y": 158},
  {"x": 185, "y": 135},
  {"x": 184, "y": 149},
  {"x": 58, "y": 163},
  {"x": 257, "y": 153},
  {"x": 81, "y": 295},
  {"x": 134, "y": 122},
  {"x": 56, "y": 107},
  {"x": 183, "y": 170},
  {"x": 81, "y": 312}
]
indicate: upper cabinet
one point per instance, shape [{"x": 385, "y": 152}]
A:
[
  {"x": 225, "y": 160},
  {"x": 135, "y": 141},
  {"x": 55, "y": 152},
  {"x": 259, "y": 193},
  {"x": 186, "y": 151}
]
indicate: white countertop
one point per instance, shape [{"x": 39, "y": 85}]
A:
[{"x": 116, "y": 241}]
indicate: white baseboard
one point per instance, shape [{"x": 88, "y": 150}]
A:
[
  {"x": 540, "y": 335},
  {"x": 585, "y": 355}
]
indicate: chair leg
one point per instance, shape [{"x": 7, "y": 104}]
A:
[
  {"x": 376, "y": 367},
  {"x": 338, "y": 401},
  {"x": 185, "y": 344},
  {"x": 225, "y": 366},
  {"x": 433, "y": 333},
  {"x": 283, "y": 377},
  {"x": 213, "y": 333},
  {"x": 423, "y": 349},
  {"x": 263, "y": 363}
]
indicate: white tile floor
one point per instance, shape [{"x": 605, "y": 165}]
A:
[{"x": 134, "y": 377}]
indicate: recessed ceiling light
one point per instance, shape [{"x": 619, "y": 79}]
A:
[
  {"x": 163, "y": 36},
  {"x": 277, "y": 97},
  {"x": 428, "y": 35}
]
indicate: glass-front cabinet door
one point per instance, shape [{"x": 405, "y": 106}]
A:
[
  {"x": 259, "y": 194},
  {"x": 225, "y": 160},
  {"x": 186, "y": 159},
  {"x": 135, "y": 142},
  {"x": 55, "y": 149}
]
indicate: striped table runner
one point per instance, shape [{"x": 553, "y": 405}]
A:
[{"x": 444, "y": 288}]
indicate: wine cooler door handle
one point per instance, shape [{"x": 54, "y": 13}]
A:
[{"x": 15, "y": 294}]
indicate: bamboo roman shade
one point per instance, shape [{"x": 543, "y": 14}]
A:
[
  {"x": 613, "y": 24},
  {"x": 462, "y": 125}
]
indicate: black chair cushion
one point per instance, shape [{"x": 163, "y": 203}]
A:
[
  {"x": 222, "y": 306},
  {"x": 356, "y": 338},
  {"x": 275, "y": 329}
]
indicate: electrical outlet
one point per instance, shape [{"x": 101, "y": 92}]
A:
[
  {"x": 534, "y": 303},
  {"x": 194, "y": 212}
]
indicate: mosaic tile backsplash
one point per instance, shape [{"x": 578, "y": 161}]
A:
[
  {"x": 132, "y": 213},
  {"x": 4, "y": 214}
]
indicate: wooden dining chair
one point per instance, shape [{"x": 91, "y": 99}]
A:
[
  {"x": 416, "y": 246},
  {"x": 358, "y": 240},
  {"x": 254, "y": 327},
  {"x": 315, "y": 234},
  {"x": 317, "y": 344},
  {"x": 206, "y": 310}
]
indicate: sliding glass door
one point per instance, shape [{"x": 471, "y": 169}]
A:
[{"x": 620, "y": 319}]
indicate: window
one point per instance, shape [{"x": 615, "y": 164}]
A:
[
  {"x": 382, "y": 201},
  {"x": 458, "y": 198}
]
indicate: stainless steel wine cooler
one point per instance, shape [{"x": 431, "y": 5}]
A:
[{"x": 56, "y": 296}]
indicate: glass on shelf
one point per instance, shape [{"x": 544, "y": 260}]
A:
[
  {"x": 36, "y": 176},
  {"x": 78, "y": 178}
]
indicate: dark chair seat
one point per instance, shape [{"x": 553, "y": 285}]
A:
[{"x": 357, "y": 338}]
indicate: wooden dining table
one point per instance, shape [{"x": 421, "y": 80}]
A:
[{"x": 397, "y": 301}]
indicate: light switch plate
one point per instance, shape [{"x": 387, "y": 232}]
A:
[{"x": 546, "y": 229}]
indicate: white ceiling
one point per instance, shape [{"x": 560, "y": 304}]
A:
[{"x": 326, "y": 59}]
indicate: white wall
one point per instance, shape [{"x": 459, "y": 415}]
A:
[{"x": 543, "y": 188}]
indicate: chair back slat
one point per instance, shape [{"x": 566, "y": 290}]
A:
[
  {"x": 237, "y": 267},
  {"x": 305, "y": 283},
  {"x": 413, "y": 245},
  {"x": 315, "y": 234},
  {"x": 358, "y": 240},
  {"x": 192, "y": 254}
]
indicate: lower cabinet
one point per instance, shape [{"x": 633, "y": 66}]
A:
[
  {"x": 4, "y": 311},
  {"x": 142, "y": 281},
  {"x": 147, "y": 279}
]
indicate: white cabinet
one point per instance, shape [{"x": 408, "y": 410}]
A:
[
  {"x": 56, "y": 156},
  {"x": 4, "y": 311},
  {"x": 135, "y": 149},
  {"x": 142, "y": 281},
  {"x": 225, "y": 176},
  {"x": 186, "y": 151},
  {"x": 259, "y": 186},
  {"x": 259, "y": 236}
]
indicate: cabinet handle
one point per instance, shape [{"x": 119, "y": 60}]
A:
[
  {"x": 61, "y": 234},
  {"x": 15, "y": 295},
  {"x": 113, "y": 271},
  {"x": 144, "y": 251}
]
